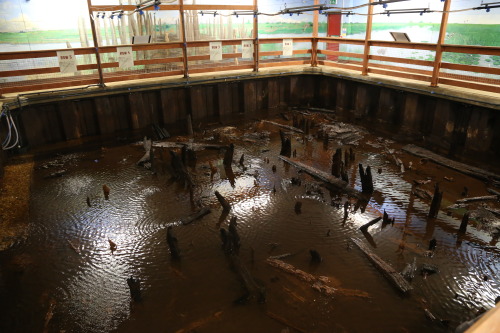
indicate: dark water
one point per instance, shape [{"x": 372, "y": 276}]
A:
[{"x": 67, "y": 259}]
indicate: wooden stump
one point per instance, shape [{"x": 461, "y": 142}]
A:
[
  {"x": 366, "y": 179},
  {"x": 336, "y": 162},
  {"x": 436, "y": 202}
]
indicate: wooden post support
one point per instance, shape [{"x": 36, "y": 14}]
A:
[
  {"x": 463, "y": 225},
  {"x": 436, "y": 202},
  {"x": 368, "y": 36},
  {"x": 440, "y": 42},
  {"x": 366, "y": 179},
  {"x": 183, "y": 35},
  {"x": 255, "y": 36},
  {"x": 96, "y": 45},
  {"x": 314, "y": 40}
]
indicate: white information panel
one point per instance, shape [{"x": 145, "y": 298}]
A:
[
  {"x": 125, "y": 56},
  {"x": 247, "y": 47},
  {"x": 288, "y": 47},
  {"x": 67, "y": 61},
  {"x": 215, "y": 51}
]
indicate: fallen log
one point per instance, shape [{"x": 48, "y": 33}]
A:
[
  {"x": 324, "y": 176},
  {"x": 253, "y": 289},
  {"x": 199, "y": 323},
  {"x": 372, "y": 222},
  {"x": 291, "y": 128},
  {"x": 285, "y": 322},
  {"x": 492, "y": 191},
  {"x": 224, "y": 203},
  {"x": 198, "y": 215},
  {"x": 196, "y": 146},
  {"x": 394, "y": 277},
  {"x": 321, "y": 110},
  {"x": 321, "y": 284},
  {"x": 461, "y": 167},
  {"x": 483, "y": 198}
]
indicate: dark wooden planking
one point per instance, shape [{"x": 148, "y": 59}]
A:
[
  {"x": 70, "y": 120},
  {"x": 105, "y": 115}
]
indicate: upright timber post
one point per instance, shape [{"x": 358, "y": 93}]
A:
[
  {"x": 96, "y": 45},
  {"x": 314, "y": 41},
  {"x": 366, "y": 55},
  {"x": 184, "y": 42},
  {"x": 255, "y": 37},
  {"x": 440, "y": 42}
]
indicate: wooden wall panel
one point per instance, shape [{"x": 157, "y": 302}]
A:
[
  {"x": 70, "y": 118},
  {"x": 106, "y": 115}
]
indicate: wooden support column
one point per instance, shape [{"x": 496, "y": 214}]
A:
[
  {"x": 255, "y": 37},
  {"x": 96, "y": 45},
  {"x": 368, "y": 37},
  {"x": 184, "y": 42},
  {"x": 314, "y": 40},
  {"x": 440, "y": 42}
]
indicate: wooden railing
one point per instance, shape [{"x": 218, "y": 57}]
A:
[{"x": 170, "y": 59}]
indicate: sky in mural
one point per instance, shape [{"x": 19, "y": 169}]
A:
[{"x": 25, "y": 15}]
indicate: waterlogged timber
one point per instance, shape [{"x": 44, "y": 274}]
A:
[{"x": 131, "y": 263}]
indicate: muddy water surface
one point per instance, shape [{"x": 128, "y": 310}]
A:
[{"x": 66, "y": 265}]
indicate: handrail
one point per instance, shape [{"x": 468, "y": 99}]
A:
[{"x": 316, "y": 55}]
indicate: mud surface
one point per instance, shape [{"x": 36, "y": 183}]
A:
[{"x": 65, "y": 277}]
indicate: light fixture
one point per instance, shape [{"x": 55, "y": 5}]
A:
[{"x": 420, "y": 11}]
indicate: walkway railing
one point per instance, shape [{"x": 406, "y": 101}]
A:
[{"x": 36, "y": 70}]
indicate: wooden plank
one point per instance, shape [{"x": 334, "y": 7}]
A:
[
  {"x": 224, "y": 99},
  {"x": 249, "y": 97},
  {"x": 273, "y": 93},
  {"x": 471, "y": 49},
  {"x": 285, "y": 63},
  {"x": 394, "y": 277},
  {"x": 341, "y": 54},
  {"x": 105, "y": 115},
  {"x": 470, "y": 85},
  {"x": 24, "y": 86},
  {"x": 279, "y": 53},
  {"x": 42, "y": 53},
  {"x": 402, "y": 69},
  {"x": 113, "y": 77},
  {"x": 220, "y": 69},
  {"x": 280, "y": 40},
  {"x": 469, "y": 68},
  {"x": 339, "y": 65},
  {"x": 460, "y": 167},
  {"x": 88, "y": 119},
  {"x": 339, "y": 40},
  {"x": 120, "y": 106},
  {"x": 143, "y": 47},
  {"x": 70, "y": 120},
  {"x": 411, "y": 46},
  {"x": 198, "y": 102},
  {"x": 137, "y": 113},
  {"x": 403, "y": 60},
  {"x": 398, "y": 74}
]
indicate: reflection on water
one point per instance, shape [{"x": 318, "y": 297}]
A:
[{"x": 68, "y": 260}]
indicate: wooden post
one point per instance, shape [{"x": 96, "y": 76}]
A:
[
  {"x": 255, "y": 38},
  {"x": 314, "y": 40},
  {"x": 440, "y": 42},
  {"x": 96, "y": 45},
  {"x": 184, "y": 43},
  {"x": 368, "y": 37}
]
